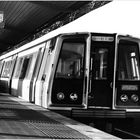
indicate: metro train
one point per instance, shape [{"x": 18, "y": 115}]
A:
[{"x": 85, "y": 74}]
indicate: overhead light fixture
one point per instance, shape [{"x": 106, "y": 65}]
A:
[{"x": 2, "y": 23}]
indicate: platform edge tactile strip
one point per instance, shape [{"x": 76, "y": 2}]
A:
[
  {"x": 81, "y": 131},
  {"x": 82, "y": 128}
]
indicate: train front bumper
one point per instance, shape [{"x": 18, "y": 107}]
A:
[{"x": 98, "y": 113}]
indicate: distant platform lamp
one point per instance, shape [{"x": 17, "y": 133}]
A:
[{"x": 2, "y": 23}]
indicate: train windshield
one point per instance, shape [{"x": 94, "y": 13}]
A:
[
  {"x": 71, "y": 60},
  {"x": 128, "y": 61},
  {"x": 68, "y": 81}
]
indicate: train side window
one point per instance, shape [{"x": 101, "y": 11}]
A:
[
  {"x": 24, "y": 68},
  {"x": 3, "y": 71},
  {"x": 9, "y": 69},
  {"x": 31, "y": 64},
  {"x": 71, "y": 59},
  {"x": 128, "y": 61},
  {"x": 1, "y": 66},
  {"x": 18, "y": 67},
  {"x": 100, "y": 63},
  {"x": 6, "y": 69},
  {"x": 52, "y": 44}
]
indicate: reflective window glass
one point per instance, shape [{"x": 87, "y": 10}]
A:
[
  {"x": 128, "y": 61},
  {"x": 71, "y": 60},
  {"x": 100, "y": 63}
]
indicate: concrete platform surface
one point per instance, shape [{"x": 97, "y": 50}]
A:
[{"x": 20, "y": 119}]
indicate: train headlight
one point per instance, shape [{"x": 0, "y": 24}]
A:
[
  {"x": 124, "y": 98},
  {"x": 60, "y": 96},
  {"x": 73, "y": 96},
  {"x": 135, "y": 98},
  {"x": 90, "y": 96}
]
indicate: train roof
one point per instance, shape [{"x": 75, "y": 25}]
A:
[{"x": 55, "y": 34}]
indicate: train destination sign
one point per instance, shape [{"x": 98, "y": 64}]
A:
[
  {"x": 103, "y": 38},
  {"x": 129, "y": 87}
]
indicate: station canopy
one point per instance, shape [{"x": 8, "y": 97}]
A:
[{"x": 20, "y": 19}]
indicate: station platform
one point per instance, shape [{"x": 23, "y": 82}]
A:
[{"x": 20, "y": 119}]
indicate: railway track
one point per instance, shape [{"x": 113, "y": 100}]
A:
[
  {"x": 125, "y": 130},
  {"x": 125, "y": 134}
]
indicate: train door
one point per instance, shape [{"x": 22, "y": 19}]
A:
[
  {"x": 24, "y": 69},
  {"x": 14, "y": 59},
  {"x": 69, "y": 74},
  {"x": 40, "y": 77},
  {"x": 127, "y": 85},
  {"x": 15, "y": 77},
  {"x": 102, "y": 70},
  {"x": 45, "y": 78},
  {"x": 35, "y": 72}
]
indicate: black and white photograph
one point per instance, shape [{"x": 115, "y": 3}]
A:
[{"x": 70, "y": 69}]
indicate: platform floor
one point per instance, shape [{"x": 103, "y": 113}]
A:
[{"x": 20, "y": 119}]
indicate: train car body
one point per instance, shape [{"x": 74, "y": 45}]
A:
[
  {"x": 6, "y": 72},
  {"x": 25, "y": 72},
  {"x": 88, "y": 74}
]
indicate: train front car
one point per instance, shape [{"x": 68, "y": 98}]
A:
[
  {"x": 127, "y": 81},
  {"x": 96, "y": 75},
  {"x": 70, "y": 72},
  {"x": 82, "y": 76}
]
